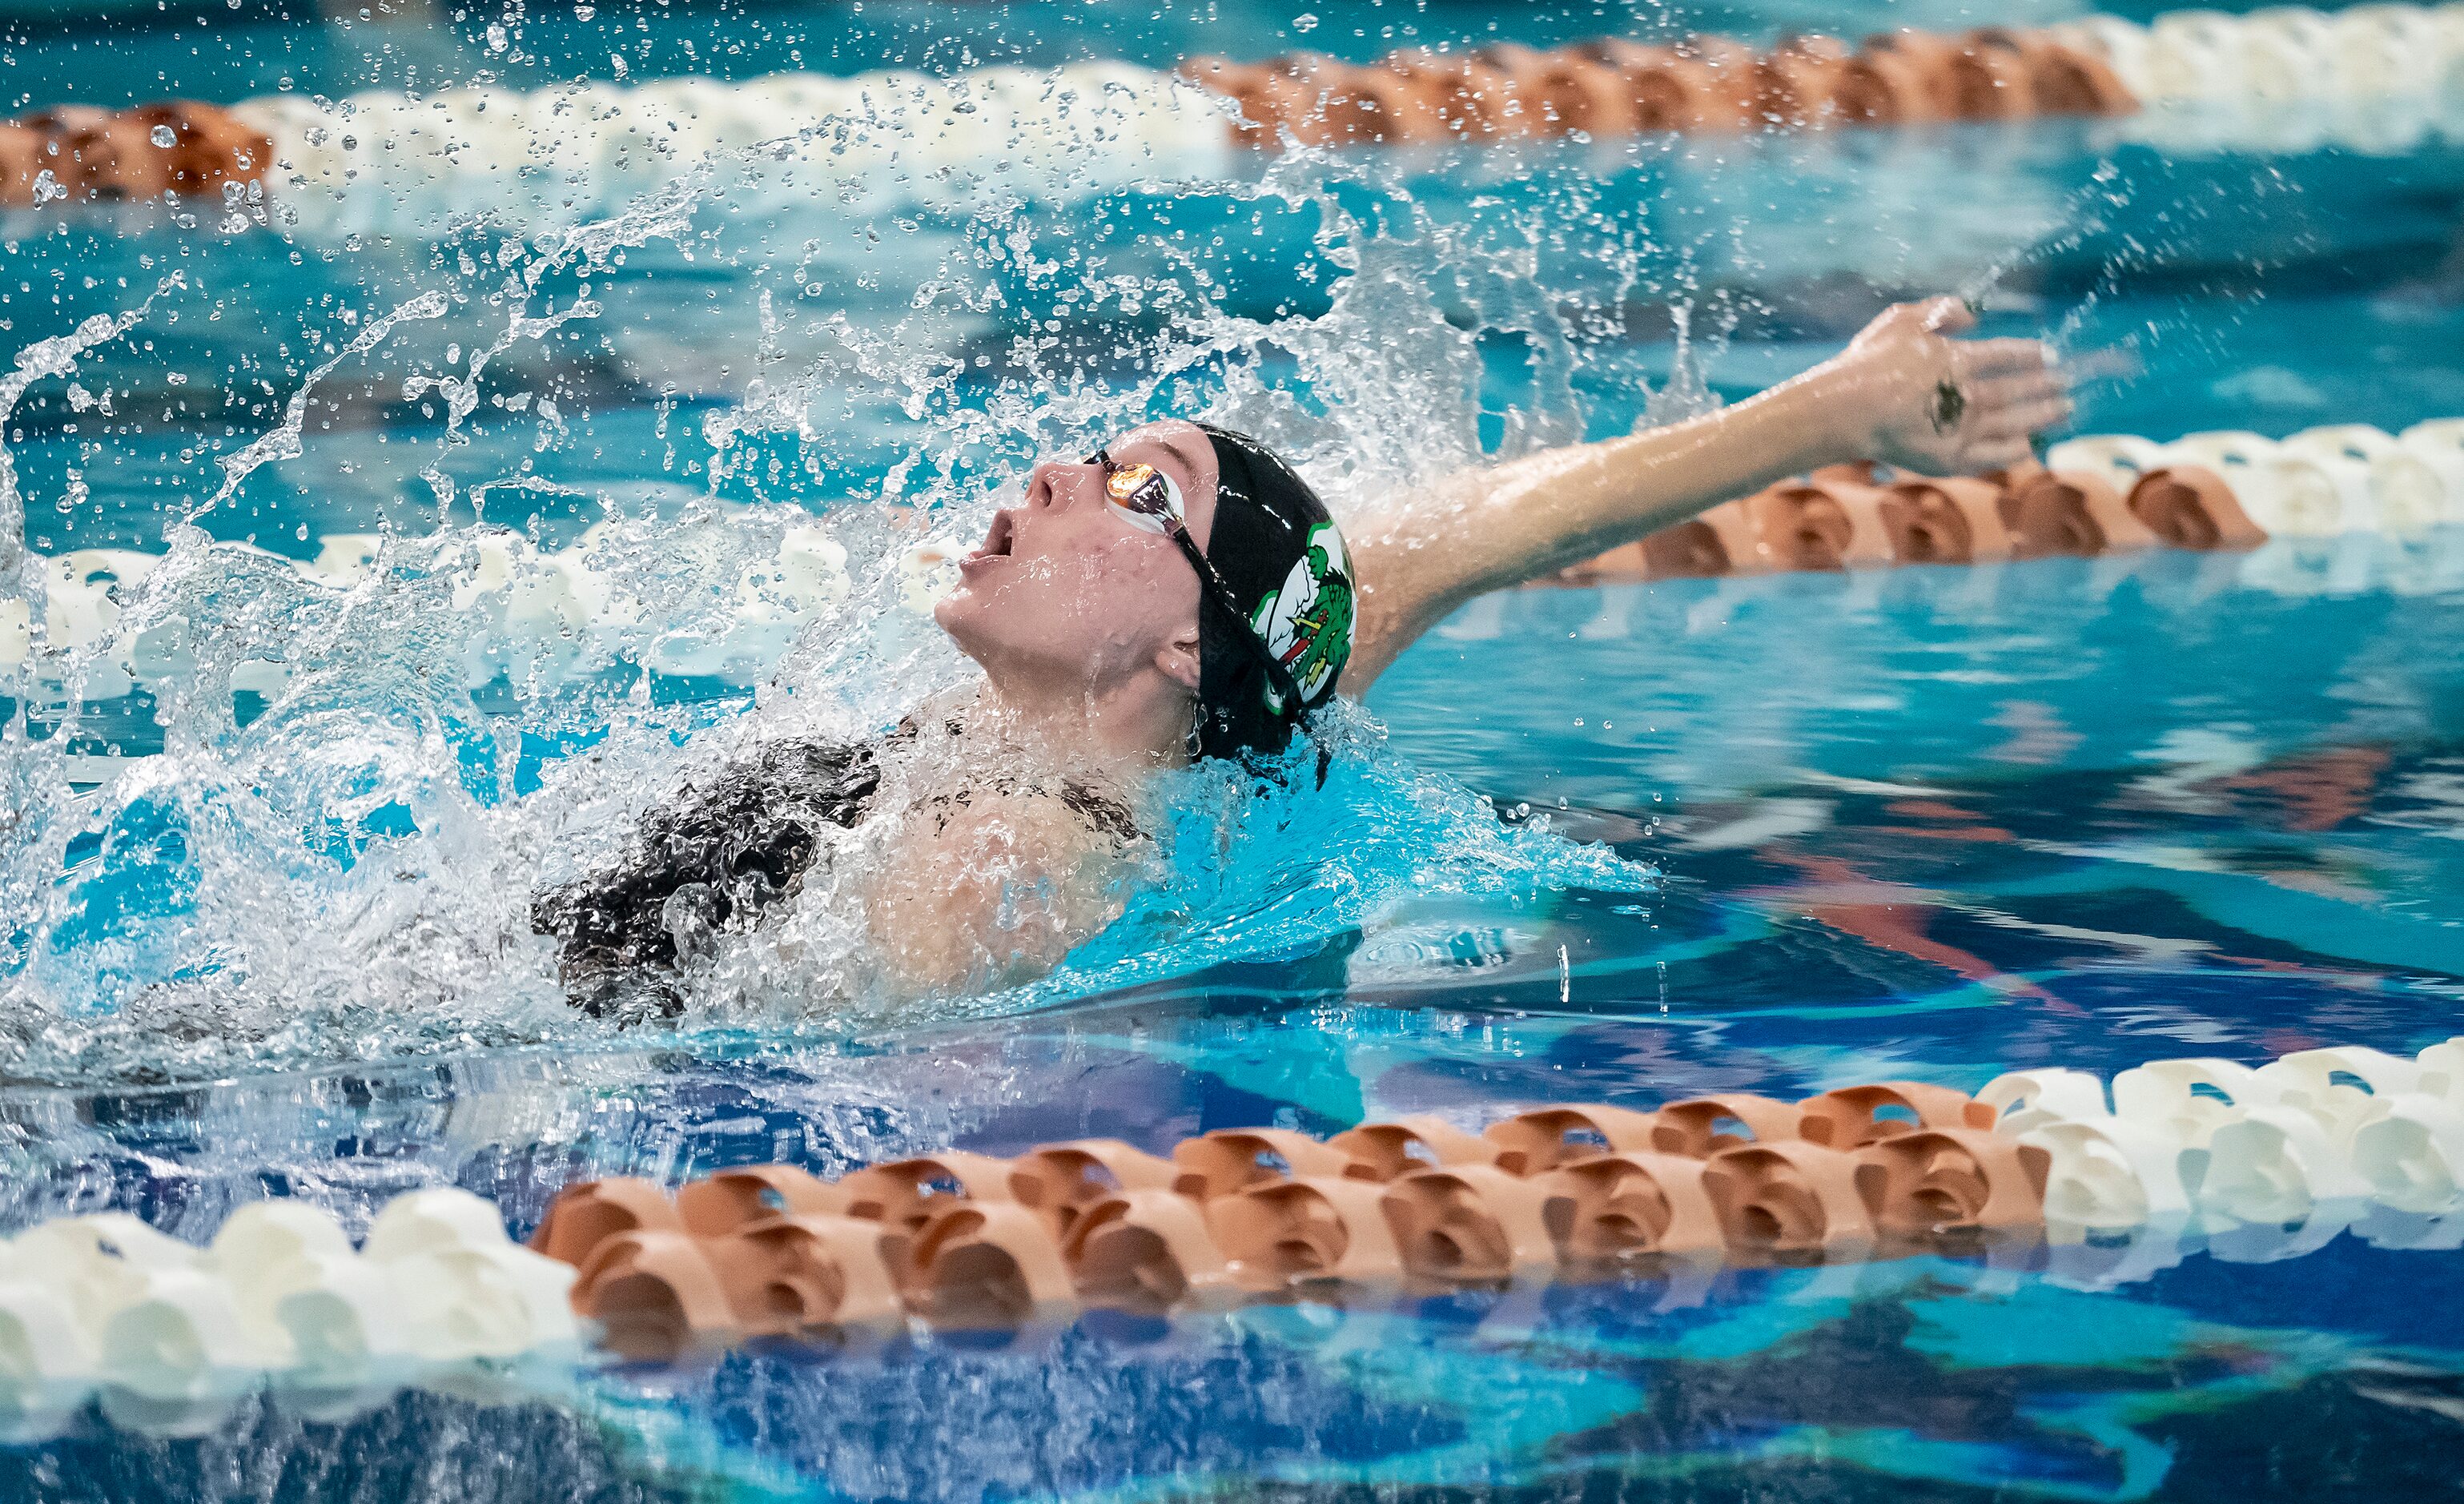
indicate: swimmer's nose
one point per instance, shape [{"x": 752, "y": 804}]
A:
[{"x": 1054, "y": 486}]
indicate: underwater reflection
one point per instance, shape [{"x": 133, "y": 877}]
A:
[{"x": 1964, "y": 1380}]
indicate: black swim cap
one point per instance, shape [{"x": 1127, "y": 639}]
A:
[{"x": 1277, "y": 548}]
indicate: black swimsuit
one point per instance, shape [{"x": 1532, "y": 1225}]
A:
[{"x": 726, "y": 852}]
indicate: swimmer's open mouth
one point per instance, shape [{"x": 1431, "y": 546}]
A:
[{"x": 996, "y": 542}]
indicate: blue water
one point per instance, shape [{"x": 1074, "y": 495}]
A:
[{"x": 1619, "y": 845}]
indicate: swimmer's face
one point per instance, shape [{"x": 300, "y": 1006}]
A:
[{"x": 1070, "y": 594}]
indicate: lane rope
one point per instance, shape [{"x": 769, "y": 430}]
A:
[
  {"x": 887, "y": 139},
  {"x": 2052, "y": 1169},
  {"x": 2098, "y": 495}
]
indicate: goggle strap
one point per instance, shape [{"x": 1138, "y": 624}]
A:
[{"x": 1218, "y": 592}]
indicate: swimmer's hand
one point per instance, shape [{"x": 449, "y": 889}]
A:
[{"x": 1946, "y": 407}]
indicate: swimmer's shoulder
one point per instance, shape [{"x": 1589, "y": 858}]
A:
[{"x": 991, "y": 883}]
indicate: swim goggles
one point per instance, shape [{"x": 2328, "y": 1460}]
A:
[{"x": 1152, "y": 501}]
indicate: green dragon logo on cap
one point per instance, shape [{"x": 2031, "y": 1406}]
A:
[{"x": 1307, "y": 623}]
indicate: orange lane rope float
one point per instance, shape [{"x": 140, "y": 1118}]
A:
[
  {"x": 1853, "y": 516},
  {"x": 1613, "y": 88},
  {"x": 2099, "y": 495},
  {"x": 180, "y": 149},
  {"x": 1420, "y": 1204}
]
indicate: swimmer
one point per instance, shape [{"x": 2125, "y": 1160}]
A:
[{"x": 1182, "y": 593}]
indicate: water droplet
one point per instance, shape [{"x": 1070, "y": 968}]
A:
[
  {"x": 163, "y": 136},
  {"x": 1305, "y": 21}
]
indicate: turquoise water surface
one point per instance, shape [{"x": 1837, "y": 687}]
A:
[{"x": 1623, "y": 844}]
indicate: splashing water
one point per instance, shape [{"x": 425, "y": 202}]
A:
[
  {"x": 281, "y": 442},
  {"x": 365, "y": 774},
  {"x": 56, "y": 356}
]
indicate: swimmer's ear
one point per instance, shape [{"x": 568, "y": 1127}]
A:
[{"x": 1177, "y": 659}]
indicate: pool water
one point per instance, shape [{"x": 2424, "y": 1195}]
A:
[
  {"x": 1624, "y": 844},
  {"x": 1921, "y": 862}
]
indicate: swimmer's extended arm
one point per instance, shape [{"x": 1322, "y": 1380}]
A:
[{"x": 1903, "y": 391}]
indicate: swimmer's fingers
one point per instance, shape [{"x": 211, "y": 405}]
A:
[
  {"x": 1987, "y": 358},
  {"x": 2026, "y": 420},
  {"x": 1940, "y": 404},
  {"x": 2018, "y": 404},
  {"x": 2023, "y": 389}
]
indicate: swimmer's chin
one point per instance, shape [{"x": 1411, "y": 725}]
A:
[
  {"x": 969, "y": 618},
  {"x": 956, "y": 611}
]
